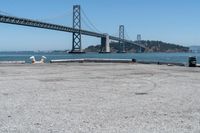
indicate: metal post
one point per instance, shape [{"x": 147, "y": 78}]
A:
[
  {"x": 76, "y": 37},
  {"x": 121, "y": 37}
]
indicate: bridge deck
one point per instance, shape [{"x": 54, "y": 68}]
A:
[{"x": 44, "y": 25}]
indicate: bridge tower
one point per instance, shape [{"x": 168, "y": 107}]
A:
[
  {"x": 139, "y": 38},
  {"x": 76, "y": 37},
  {"x": 121, "y": 41}
]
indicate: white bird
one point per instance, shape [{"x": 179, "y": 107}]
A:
[{"x": 37, "y": 62}]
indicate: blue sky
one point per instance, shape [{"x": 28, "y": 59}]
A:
[{"x": 174, "y": 21}]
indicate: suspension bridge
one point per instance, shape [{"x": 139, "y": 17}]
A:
[{"x": 76, "y": 31}]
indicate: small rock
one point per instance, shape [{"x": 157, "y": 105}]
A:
[
  {"x": 85, "y": 122},
  {"x": 126, "y": 117},
  {"x": 37, "y": 124},
  {"x": 5, "y": 94}
]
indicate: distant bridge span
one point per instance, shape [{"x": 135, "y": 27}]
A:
[{"x": 34, "y": 23}]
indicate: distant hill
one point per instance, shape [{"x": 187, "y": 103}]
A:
[{"x": 151, "y": 46}]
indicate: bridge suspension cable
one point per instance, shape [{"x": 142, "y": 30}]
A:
[
  {"x": 126, "y": 35},
  {"x": 63, "y": 15},
  {"x": 6, "y": 13},
  {"x": 86, "y": 24},
  {"x": 115, "y": 34},
  {"x": 90, "y": 24}
]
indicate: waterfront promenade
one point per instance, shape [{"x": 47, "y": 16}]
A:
[{"x": 94, "y": 98}]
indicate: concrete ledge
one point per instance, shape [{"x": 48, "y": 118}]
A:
[
  {"x": 98, "y": 60},
  {"x": 67, "y": 60},
  {"x": 161, "y": 63},
  {"x": 12, "y": 62},
  {"x": 198, "y": 65},
  {"x": 109, "y": 60},
  {"x": 95, "y": 60}
]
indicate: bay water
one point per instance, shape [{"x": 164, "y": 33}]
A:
[{"x": 157, "y": 57}]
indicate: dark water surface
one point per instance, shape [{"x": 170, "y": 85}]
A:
[{"x": 161, "y": 57}]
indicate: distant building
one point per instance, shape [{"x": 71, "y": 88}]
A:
[{"x": 194, "y": 49}]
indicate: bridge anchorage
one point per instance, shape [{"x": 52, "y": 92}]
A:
[{"x": 75, "y": 30}]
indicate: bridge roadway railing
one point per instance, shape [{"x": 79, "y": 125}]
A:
[{"x": 44, "y": 25}]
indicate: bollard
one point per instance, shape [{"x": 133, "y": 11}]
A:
[
  {"x": 192, "y": 61},
  {"x": 134, "y": 60}
]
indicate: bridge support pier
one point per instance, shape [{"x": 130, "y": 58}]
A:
[{"x": 105, "y": 44}]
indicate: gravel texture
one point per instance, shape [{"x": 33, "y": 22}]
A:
[{"x": 99, "y": 98}]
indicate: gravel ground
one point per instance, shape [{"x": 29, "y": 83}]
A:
[{"x": 99, "y": 98}]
